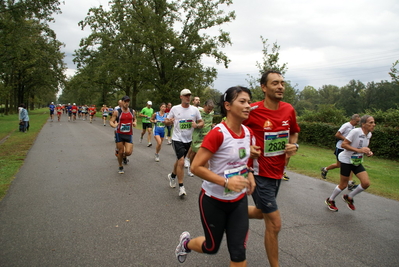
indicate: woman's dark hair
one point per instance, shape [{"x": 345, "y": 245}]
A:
[
  {"x": 22, "y": 105},
  {"x": 230, "y": 95}
]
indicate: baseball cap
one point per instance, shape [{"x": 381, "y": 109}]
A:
[
  {"x": 52, "y": 102},
  {"x": 74, "y": 104},
  {"x": 185, "y": 92},
  {"x": 125, "y": 98},
  {"x": 149, "y": 103}
]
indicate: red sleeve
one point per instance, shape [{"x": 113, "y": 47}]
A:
[{"x": 213, "y": 140}]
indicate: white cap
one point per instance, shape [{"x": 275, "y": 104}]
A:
[
  {"x": 185, "y": 92},
  {"x": 149, "y": 103},
  {"x": 74, "y": 104},
  {"x": 52, "y": 102}
]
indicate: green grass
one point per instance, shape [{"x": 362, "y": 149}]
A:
[
  {"x": 14, "y": 149},
  {"x": 383, "y": 173}
]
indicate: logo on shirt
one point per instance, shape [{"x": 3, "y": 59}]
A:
[
  {"x": 242, "y": 152},
  {"x": 268, "y": 125},
  {"x": 286, "y": 123}
]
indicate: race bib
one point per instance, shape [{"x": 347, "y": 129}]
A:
[
  {"x": 125, "y": 128},
  {"x": 74, "y": 110},
  {"x": 185, "y": 124},
  {"x": 275, "y": 143},
  {"x": 357, "y": 159},
  {"x": 242, "y": 171}
]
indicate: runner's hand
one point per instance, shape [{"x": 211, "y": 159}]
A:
[{"x": 237, "y": 183}]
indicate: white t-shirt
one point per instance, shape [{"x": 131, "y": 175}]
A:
[
  {"x": 344, "y": 130},
  {"x": 183, "y": 130},
  {"x": 358, "y": 140}
]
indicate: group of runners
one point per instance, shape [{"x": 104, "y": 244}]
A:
[
  {"x": 73, "y": 111},
  {"x": 243, "y": 155}
]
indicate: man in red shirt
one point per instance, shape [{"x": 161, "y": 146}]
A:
[
  {"x": 92, "y": 111},
  {"x": 274, "y": 125},
  {"x": 74, "y": 110},
  {"x": 124, "y": 121}
]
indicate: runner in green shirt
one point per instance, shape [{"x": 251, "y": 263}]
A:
[
  {"x": 146, "y": 114},
  {"x": 199, "y": 133}
]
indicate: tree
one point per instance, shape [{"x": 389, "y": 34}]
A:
[
  {"x": 394, "y": 72},
  {"x": 270, "y": 62},
  {"x": 31, "y": 64},
  {"x": 156, "y": 45},
  {"x": 351, "y": 97}
]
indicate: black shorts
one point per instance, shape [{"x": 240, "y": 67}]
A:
[
  {"x": 180, "y": 148},
  {"x": 218, "y": 217},
  {"x": 51, "y": 112},
  {"x": 346, "y": 169},
  {"x": 147, "y": 125},
  {"x": 127, "y": 138},
  {"x": 265, "y": 193},
  {"x": 337, "y": 151}
]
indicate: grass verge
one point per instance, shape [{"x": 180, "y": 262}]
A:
[{"x": 17, "y": 144}]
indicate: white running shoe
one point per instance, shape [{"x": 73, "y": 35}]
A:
[
  {"x": 186, "y": 162},
  {"x": 157, "y": 157},
  {"x": 190, "y": 173},
  {"x": 181, "y": 252},
  {"x": 182, "y": 191},
  {"x": 172, "y": 181}
]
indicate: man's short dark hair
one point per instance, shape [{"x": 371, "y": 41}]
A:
[{"x": 263, "y": 79}]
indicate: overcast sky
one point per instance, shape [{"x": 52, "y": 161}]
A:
[{"x": 323, "y": 42}]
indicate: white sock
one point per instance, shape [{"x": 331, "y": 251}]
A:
[
  {"x": 335, "y": 193},
  {"x": 357, "y": 190}
]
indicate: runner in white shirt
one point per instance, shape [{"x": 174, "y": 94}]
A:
[
  {"x": 355, "y": 147},
  {"x": 342, "y": 132},
  {"x": 185, "y": 118},
  {"x": 223, "y": 199}
]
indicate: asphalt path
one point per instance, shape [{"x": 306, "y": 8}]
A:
[{"x": 68, "y": 206}]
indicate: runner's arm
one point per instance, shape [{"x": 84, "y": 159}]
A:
[{"x": 112, "y": 121}]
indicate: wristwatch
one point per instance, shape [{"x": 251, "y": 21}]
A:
[{"x": 297, "y": 146}]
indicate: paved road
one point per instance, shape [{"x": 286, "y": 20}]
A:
[{"x": 68, "y": 206}]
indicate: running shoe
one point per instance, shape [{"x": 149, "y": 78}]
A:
[
  {"x": 121, "y": 171},
  {"x": 157, "y": 157},
  {"x": 125, "y": 160},
  {"x": 182, "y": 191},
  {"x": 186, "y": 162},
  {"x": 181, "y": 251},
  {"x": 348, "y": 202},
  {"x": 331, "y": 204},
  {"x": 172, "y": 181},
  {"x": 149, "y": 144},
  {"x": 190, "y": 173},
  {"x": 169, "y": 142},
  {"x": 352, "y": 186},
  {"x": 285, "y": 177},
  {"x": 324, "y": 173},
  {"x": 141, "y": 140}
]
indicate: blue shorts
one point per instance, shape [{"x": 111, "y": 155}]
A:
[
  {"x": 265, "y": 193},
  {"x": 159, "y": 131}
]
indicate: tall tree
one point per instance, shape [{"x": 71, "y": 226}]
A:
[
  {"x": 156, "y": 45},
  {"x": 30, "y": 57}
]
